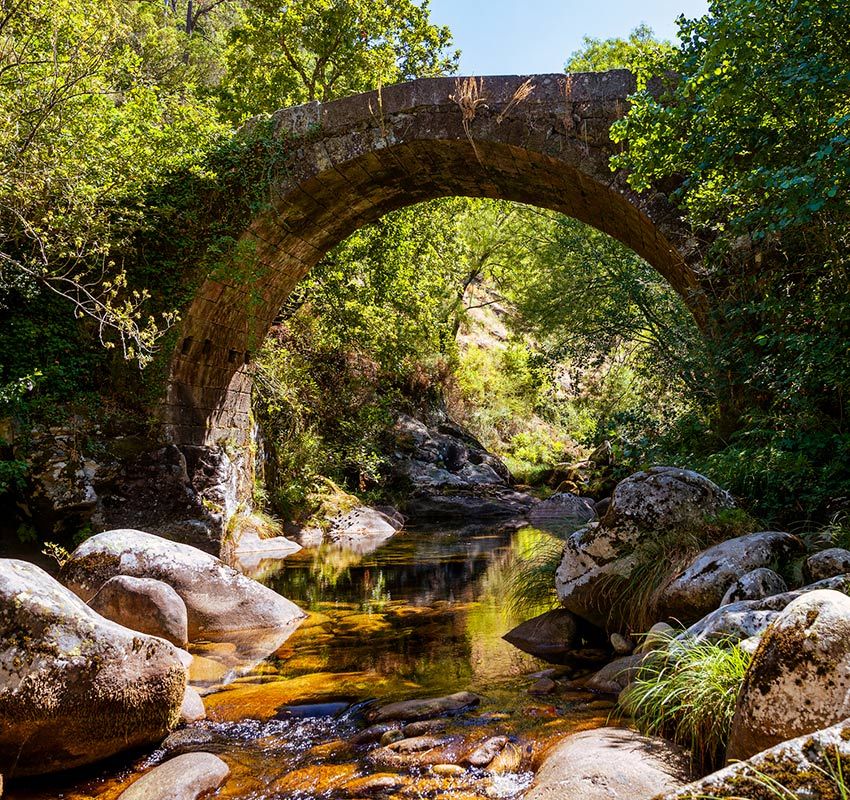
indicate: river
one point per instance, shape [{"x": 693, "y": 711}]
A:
[{"x": 422, "y": 615}]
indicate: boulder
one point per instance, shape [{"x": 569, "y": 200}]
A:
[
  {"x": 747, "y": 618},
  {"x": 448, "y": 475},
  {"x": 799, "y": 678},
  {"x": 75, "y": 687},
  {"x": 755, "y": 585},
  {"x": 801, "y": 766},
  {"x": 562, "y": 512},
  {"x": 145, "y": 605},
  {"x": 548, "y": 636},
  {"x": 616, "y": 675},
  {"x": 192, "y": 708},
  {"x": 660, "y": 500},
  {"x": 700, "y": 587},
  {"x": 609, "y": 764},
  {"x": 217, "y": 597},
  {"x": 359, "y": 525},
  {"x": 656, "y": 637},
  {"x": 827, "y": 564},
  {"x": 185, "y": 777}
]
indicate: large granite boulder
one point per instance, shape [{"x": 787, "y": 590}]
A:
[
  {"x": 145, "y": 605},
  {"x": 562, "y": 512},
  {"x": 217, "y": 597},
  {"x": 74, "y": 686},
  {"x": 609, "y": 764},
  {"x": 699, "y": 588},
  {"x": 748, "y": 618},
  {"x": 449, "y": 475},
  {"x": 799, "y": 678},
  {"x": 645, "y": 505},
  {"x": 800, "y": 768}
]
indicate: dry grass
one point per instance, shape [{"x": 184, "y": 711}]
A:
[
  {"x": 469, "y": 96},
  {"x": 522, "y": 93}
]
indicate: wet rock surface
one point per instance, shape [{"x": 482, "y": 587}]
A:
[
  {"x": 186, "y": 777},
  {"x": 74, "y": 686},
  {"x": 425, "y": 708}
]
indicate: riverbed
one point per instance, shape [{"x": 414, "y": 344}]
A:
[{"x": 422, "y": 615}]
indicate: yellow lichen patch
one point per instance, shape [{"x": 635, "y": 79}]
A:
[{"x": 316, "y": 779}]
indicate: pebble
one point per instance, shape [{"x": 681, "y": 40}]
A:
[{"x": 542, "y": 686}]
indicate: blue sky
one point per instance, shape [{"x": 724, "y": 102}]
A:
[{"x": 511, "y": 37}]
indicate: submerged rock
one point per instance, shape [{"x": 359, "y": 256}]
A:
[
  {"x": 644, "y": 505},
  {"x": 609, "y": 764},
  {"x": 145, "y": 605},
  {"x": 185, "y": 777},
  {"x": 700, "y": 587},
  {"x": 74, "y": 686},
  {"x": 425, "y": 708},
  {"x": 801, "y": 766},
  {"x": 217, "y": 597},
  {"x": 799, "y": 678},
  {"x": 548, "y": 636}
]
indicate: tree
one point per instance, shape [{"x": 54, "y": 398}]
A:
[
  {"x": 285, "y": 54},
  {"x": 598, "y": 55},
  {"x": 83, "y": 134},
  {"x": 753, "y": 126}
]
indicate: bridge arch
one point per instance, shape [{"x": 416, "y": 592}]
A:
[{"x": 542, "y": 140}]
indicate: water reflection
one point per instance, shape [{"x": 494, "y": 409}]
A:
[{"x": 420, "y": 615}]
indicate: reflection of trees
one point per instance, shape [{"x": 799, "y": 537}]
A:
[{"x": 522, "y": 577}]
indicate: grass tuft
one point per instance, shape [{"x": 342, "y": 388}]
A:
[{"x": 687, "y": 692}]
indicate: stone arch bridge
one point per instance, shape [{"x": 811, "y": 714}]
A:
[{"x": 540, "y": 139}]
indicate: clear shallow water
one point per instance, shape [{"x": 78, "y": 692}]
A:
[{"x": 422, "y": 615}]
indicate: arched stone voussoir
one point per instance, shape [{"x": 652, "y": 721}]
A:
[{"x": 538, "y": 139}]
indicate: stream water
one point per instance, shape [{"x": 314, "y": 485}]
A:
[{"x": 420, "y": 616}]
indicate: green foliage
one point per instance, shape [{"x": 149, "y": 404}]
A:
[
  {"x": 633, "y": 599},
  {"x": 687, "y": 692},
  {"x": 634, "y": 53},
  {"x": 281, "y": 55}
]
